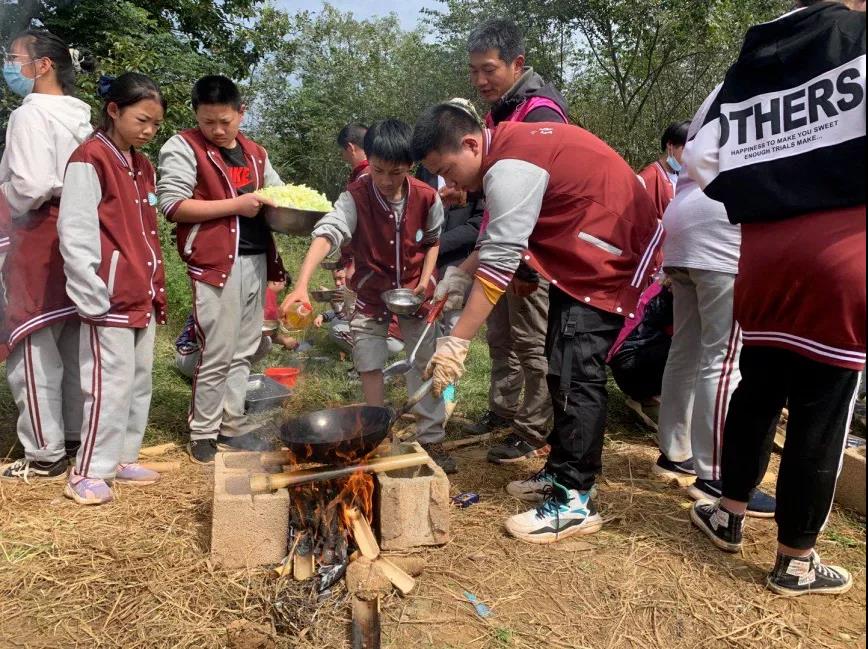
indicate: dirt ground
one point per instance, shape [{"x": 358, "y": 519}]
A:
[{"x": 137, "y": 574}]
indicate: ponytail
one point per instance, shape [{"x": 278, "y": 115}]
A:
[{"x": 42, "y": 44}]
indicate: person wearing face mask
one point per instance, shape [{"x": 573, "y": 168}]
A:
[
  {"x": 41, "y": 321},
  {"x": 660, "y": 176}
]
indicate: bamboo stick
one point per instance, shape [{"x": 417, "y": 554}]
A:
[
  {"x": 264, "y": 482},
  {"x": 161, "y": 467},
  {"x": 400, "y": 579},
  {"x": 366, "y": 623},
  {"x": 159, "y": 449},
  {"x": 363, "y": 535}
]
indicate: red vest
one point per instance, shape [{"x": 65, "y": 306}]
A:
[
  {"x": 210, "y": 247},
  {"x": 5, "y": 243},
  {"x": 597, "y": 233},
  {"x": 658, "y": 186},
  {"x": 131, "y": 260},
  {"x": 33, "y": 275},
  {"x": 388, "y": 254}
]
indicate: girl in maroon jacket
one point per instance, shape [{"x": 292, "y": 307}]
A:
[{"x": 114, "y": 269}]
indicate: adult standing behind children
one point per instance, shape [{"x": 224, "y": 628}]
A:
[
  {"x": 661, "y": 175},
  {"x": 390, "y": 222},
  {"x": 800, "y": 290},
  {"x": 518, "y": 397},
  {"x": 115, "y": 277},
  {"x": 564, "y": 202},
  {"x": 207, "y": 178},
  {"x": 42, "y": 324}
]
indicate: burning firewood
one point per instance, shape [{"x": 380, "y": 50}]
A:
[{"x": 363, "y": 534}]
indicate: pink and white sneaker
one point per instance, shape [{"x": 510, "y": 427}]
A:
[
  {"x": 87, "y": 491},
  {"x": 136, "y": 474}
]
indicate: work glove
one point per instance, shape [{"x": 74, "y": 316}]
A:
[
  {"x": 349, "y": 299},
  {"x": 455, "y": 284},
  {"x": 447, "y": 364}
]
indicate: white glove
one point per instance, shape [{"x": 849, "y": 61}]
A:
[
  {"x": 455, "y": 284},
  {"x": 349, "y": 299},
  {"x": 447, "y": 364}
]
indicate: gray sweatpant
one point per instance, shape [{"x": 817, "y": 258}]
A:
[
  {"x": 516, "y": 342},
  {"x": 229, "y": 328},
  {"x": 116, "y": 379},
  {"x": 43, "y": 375},
  {"x": 370, "y": 353},
  {"x": 701, "y": 371}
]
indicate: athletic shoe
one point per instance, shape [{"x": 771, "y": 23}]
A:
[
  {"x": 87, "y": 491},
  {"x": 515, "y": 449},
  {"x": 136, "y": 474},
  {"x": 202, "y": 451},
  {"x": 795, "y": 576},
  {"x": 680, "y": 472},
  {"x": 760, "y": 505},
  {"x": 563, "y": 513},
  {"x": 489, "y": 423},
  {"x": 647, "y": 413},
  {"x": 723, "y": 527},
  {"x": 532, "y": 490},
  {"x": 246, "y": 442},
  {"x": 441, "y": 458},
  {"x": 28, "y": 470}
]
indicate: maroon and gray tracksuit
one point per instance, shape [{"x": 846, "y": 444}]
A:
[
  {"x": 593, "y": 234},
  {"x": 107, "y": 227},
  {"x": 228, "y": 287}
]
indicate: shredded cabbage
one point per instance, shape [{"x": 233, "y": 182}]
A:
[{"x": 300, "y": 197}]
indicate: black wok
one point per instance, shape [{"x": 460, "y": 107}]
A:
[{"x": 341, "y": 435}]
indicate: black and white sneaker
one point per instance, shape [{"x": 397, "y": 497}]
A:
[
  {"x": 202, "y": 451},
  {"x": 246, "y": 442},
  {"x": 795, "y": 576},
  {"x": 29, "y": 470},
  {"x": 515, "y": 449},
  {"x": 760, "y": 505},
  {"x": 723, "y": 527},
  {"x": 681, "y": 473},
  {"x": 563, "y": 513},
  {"x": 490, "y": 422}
]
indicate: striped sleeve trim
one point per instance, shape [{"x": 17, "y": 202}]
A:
[
  {"x": 823, "y": 353},
  {"x": 495, "y": 277}
]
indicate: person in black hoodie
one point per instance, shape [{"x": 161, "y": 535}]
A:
[
  {"x": 518, "y": 394},
  {"x": 782, "y": 146}
]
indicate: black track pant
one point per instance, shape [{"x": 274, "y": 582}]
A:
[
  {"x": 820, "y": 400},
  {"x": 577, "y": 342}
]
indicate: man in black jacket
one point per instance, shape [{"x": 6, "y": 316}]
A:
[
  {"x": 461, "y": 219},
  {"x": 518, "y": 394}
]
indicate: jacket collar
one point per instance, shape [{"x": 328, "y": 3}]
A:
[{"x": 120, "y": 158}]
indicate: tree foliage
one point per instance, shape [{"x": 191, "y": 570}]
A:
[{"x": 334, "y": 69}]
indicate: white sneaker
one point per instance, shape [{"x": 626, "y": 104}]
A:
[
  {"x": 563, "y": 513},
  {"x": 533, "y": 489}
]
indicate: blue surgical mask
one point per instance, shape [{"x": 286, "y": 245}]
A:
[
  {"x": 15, "y": 79},
  {"x": 674, "y": 164}
]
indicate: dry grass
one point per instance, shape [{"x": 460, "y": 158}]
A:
[{"x": 137, "y": 574}]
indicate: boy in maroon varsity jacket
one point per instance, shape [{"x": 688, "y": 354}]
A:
[
  {"x": 390, "y": 222},
  {"x": 566, "y": 204},
  {"x": 782, "y": 146},
  {"x": 207, "y": 178},
  {"x": 114, "y": 276},
  {"x": 660, "y": 176}
]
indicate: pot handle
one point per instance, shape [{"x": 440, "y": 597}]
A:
[{"x": 436, "y": 310}]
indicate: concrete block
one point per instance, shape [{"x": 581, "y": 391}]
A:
[
  {"x": 850, "y": 492},
  {"x": 246, "y": 530},
  {"x": 413, "y": 506}
]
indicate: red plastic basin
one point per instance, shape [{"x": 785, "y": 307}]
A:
[{"x": 284, "y": 375}]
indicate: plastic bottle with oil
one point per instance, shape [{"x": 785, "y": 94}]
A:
[{"x": 299, "y": 316}]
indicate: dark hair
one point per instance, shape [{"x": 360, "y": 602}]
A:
[
  {"x": 675, "y": 133},
  {"x": 352, "y": 133},
  {"x": 498, "y": 34},
  {"x": 389, "y": 140},
  {"x": 215, "y": 89},
  {"x": 128, "y": 89},
  {"x": 440, "y": 128},
  {"x": 42, "y": 44}
]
